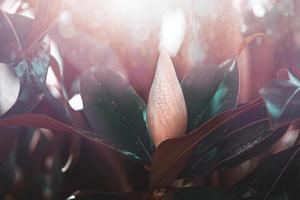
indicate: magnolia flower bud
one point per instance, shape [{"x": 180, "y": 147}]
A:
[{"x": 166, "y": 111}]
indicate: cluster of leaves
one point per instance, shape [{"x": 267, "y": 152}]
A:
[{"x": 220, "y": 132}]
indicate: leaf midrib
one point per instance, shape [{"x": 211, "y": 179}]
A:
[{"x": 125, "y": 120}]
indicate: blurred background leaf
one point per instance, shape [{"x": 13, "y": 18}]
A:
[{"x": 282, "y": 99}]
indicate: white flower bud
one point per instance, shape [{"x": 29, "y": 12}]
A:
[{"x": 166, "y": 111}]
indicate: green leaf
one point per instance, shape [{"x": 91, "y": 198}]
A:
[
  {"x": 282, "y": 99},
  {"x": 39, "y": 61},
  {"x": 210, "y": 90},
  {"x": 229, "y": 147},
  {"x": 31, "y": 69},
  {"x": 207, "y": 193},
  {"x": 115, "y": 111},
  {"x": 278, "y": 169},
  {"x": 32, "y": 76},
  {"x": 172, "y": 155}
]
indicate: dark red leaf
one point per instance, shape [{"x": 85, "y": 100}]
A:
[{"x": 172, "y": 155}]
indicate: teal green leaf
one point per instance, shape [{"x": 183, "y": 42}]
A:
[
  {"x": 231, "y": 146},
  {"x": 282, "y": 99},
  {"x": 115, "y": 110},
  {"x": 207, "y": 193},
  {"x": 31, "y": 69},
  {"x": 32, "y": 74},
  {"x": 210, "y": 90}
]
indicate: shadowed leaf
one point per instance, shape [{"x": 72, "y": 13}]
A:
[
  {"x": 46, "y": 13},
  {"x": 230, "y": 146},
  {"x": 210, "y": 90},
  {"x": 13, "y": 32},
  {"x": 260, "y": 183},
  {"x": 42, "y": 121},
  {"x": 207, "y": 193},
  {"x": 114, "y": 109},
  {"x": 237, "y": 125},
  {"x": 282, "y": 99},
  {"x": 166, "y": 168},
  {"x": 31, "y": 69}
]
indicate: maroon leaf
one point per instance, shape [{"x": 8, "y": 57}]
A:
[
  {"x": 42, "y": 121},
  {"x": 172, "y": 155},
  {"x": 45, "y": 16},
  {"x": 76, "y": 118}
]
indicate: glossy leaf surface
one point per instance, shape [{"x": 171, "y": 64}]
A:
[
  {"x": 230, "y": 146},
  {"x": 166, "y": 168},
  {"x": 282, "y": 99},
  {"x": 115, "y": 111},
  {"x": 214, "y": 138},
  {"x": 210, "y": 90}
]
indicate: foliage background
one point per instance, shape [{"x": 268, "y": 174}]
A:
[{"x": 86, "y": 35}]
